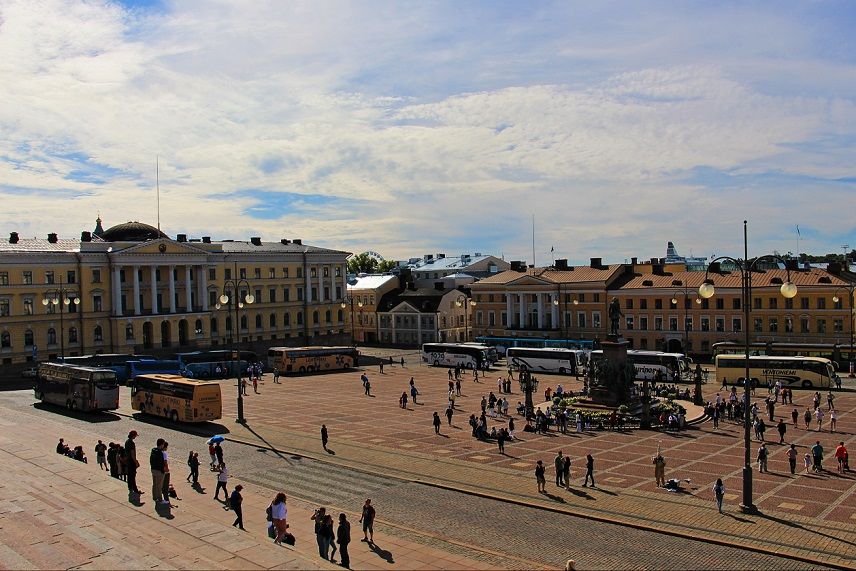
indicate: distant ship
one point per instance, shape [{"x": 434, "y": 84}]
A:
[{"x": 672, "y": 257}]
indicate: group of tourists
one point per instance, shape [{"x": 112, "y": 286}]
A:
[
  {"x": 562, "y": 465},
  {"x": 76, "y": 452}
]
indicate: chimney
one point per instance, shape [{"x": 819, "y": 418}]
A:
[
  {"x": 439, "y": 286},
  {"x": 562, "y": 264},
  {"x": 834, "y": 268},
  {"x": 256, "y": 240},
  {"x": 86, "y": 236},
  {"x": 792, "y": 265},
  {"x": 206, "y": 239},
  {"x": 13, "y": 237},
  {"x": 597, "y": 263},
  {"x": 52, "y": 238},
  {"x": 441, "y": 256},
  {"x": 285, "y": 241},
  {"x": 634, "y": 261},
  {"x": 653, "y": 261},
  {"x": 427, "y": 258},
  {"x": 657, "y": 269},
  {"x": 297, "y": 241},
  {"x": 181, "y": 238}
]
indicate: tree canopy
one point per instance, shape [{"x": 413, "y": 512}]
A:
[{"x": 364, "y": 263}]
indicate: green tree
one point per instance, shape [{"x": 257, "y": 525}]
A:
[
  {"x": 386, "y": 266},
  {"x": 362, "y": 263}
]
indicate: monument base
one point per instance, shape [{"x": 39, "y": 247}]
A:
[{"x": 614, "y": 352}]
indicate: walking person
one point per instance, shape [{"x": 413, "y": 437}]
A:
[
  {"x": 222, "y": 480},
  {"x": 819, "y": 414},
  {"x": 795, "y": 416},
  {"x": 589, "y": 470},
  {"x": 367, "y": 519},
  {"x": 458, "y": 387},
  {"x": 193, "y": 465},
  {"x": 500, "y": 440},
  {"x": 279, "y": 517},
  {"x": 817, "y": 457},
  {"x": 413, "y": 391},
  {"x": 510, "y": 428},
  {"x": 276, "y": 376},
  {"x": 218, "y": 453},
  {"x": 841, "y": 457},
  {"x": 791, "y": 453},
  {"x": 833, "y": 418},
  {"x": 559, "y": 463},
  {"x": 782, "y": 428},
  {"x": 324, "y": 437},
  {"x": 762, "y": 458},
  {"x": 436, "y": 422},
  {"x": 212, "y": 452},
  {"x": 256, "y": 384},
  {"x": 719, "y": 493},
  {"x": 235, "y": 501},
  {"x": 156, "y": 463},
  {"x": 343, "y": 536},
  {"x": 540, "y": 478},
  {"x": 166, "y": 474},
  {"x": 368, "y": 386},
  {"x": 807, "y": 418},
  {"x": 133, "y": 462},
  {"x": 101, "y": 455},
  {"x": 449, "y": 413}
]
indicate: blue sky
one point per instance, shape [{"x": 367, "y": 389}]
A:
[{"x": 416, "y": 127}]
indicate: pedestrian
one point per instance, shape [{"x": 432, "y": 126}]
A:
[
  {"x": 795, "y": 415},
  {"x": 500, "y": 440},
  {"x": 256, "y": 384},
  {"x": 212, "y": 453},
  {"x": 458, "y": 387},
  {"x": 817, "y": 456},
  {"x": 436, "y": 422},
  {"x": 807, "y": 460},
  {"x": 368, "y": 387},
  {"x": 190, "y": 466},
  {"x": 402, "y": 362},
  {"x": 402, "y": 400},
  {"x": 133, "y": 462},
  {"x": 566, "y": 471},
  {"x": 719, "y": 493},
  {"x": 235, "y": 501},
  {"x": 841, "y": 456},
  {"x": 559, "y": 463},
  {"x": 818, "y": 413},
  {"x": 833, "y": 419},
  {"x": 540, "y": 478},
  {"x": 762, "y": 458},
  {"x": 156, "y": 463},
  {"x": 329, "y": 536},
  {"x": 450, "y": 374},
  {"x": 791, "y": 453},
  {"x": 511, "y": 428},
  {"x": 830, "y": 399},
  {"x": 589, "y": 470},
  {"x": 782, "y": 428},
  {"x": 218, "y": 452},
  {"x": 279, "y": 517},
  {"x": 324, "y": 436},
  {"x": 449, "y": 413},
  {"x": 112, "y": 460},
  {"x": 120, "y": 462},
  {"x": 367, "y": 519},
  {"x": 320, "y": 537},
  {"x": 380, "y": 367},
  {"x": 807, "y": 418},
  {"x": 166, "y": 473},
  {"x": 659, "y": 470},
  {"x": 364, "y": 378},
  {"x": 413, "y": 391},
  {"x": 244, "y": 386},
  {"x": 343, "y": 536},
  {"x": 222, "y": 480},
  {"x": 276, "y": 376},
  {"x": 101, "y": 455}
]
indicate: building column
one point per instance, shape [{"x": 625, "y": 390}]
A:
[
  {"x": 509, "y": 310},
  {"x": 203, "y": 286},
  {"x": 521, "y": 313},
  {"x": 554, "y": 308},
  {"x": 153, "y": 273},
  {"x": 419, "y": 329},
  {"x": 117, "y": 291},
  {"x": 137, "y": 308},
  {"x": 392, "y": 326},
  {"x": 188, "y": 289},
  {"x": 540, "y": 297},
  {"x": 171, "y": 270}
]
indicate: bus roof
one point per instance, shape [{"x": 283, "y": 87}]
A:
[
  {"x": 771, "y": 358},
  {"x": 312, "y": 347},
  {"x": 174, "y": 379},
  {"x": 86, "y": 368}
]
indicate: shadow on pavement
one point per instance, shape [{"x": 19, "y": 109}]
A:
[
  {"x": 94, "y": 417},
  {"x": 798, "y": 526},
  {"x": 382, "y": 553},
  {"x": 206, "y": 429}
]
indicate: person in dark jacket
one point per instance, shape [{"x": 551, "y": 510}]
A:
[
  {"x": 235, "y": 501},
  {"x": 343, "y": 538}
]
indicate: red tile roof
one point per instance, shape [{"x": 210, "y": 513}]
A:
[
  {"x": 576, "y": 275},
  {"x": 692, "y": 280}
]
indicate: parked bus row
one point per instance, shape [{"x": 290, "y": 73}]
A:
[
  {"x": 839, "y": 354},
  {"x": 791, "y": 372}
]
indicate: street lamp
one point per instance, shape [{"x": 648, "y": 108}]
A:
[
  {"x": 686, "y": 294},
  {"x": 61, "y": 296},
  {"x": 233, "y": 287},
  {"x": 562, "y": 311},
  {"x": 706, "y": 290},
  {"x": 849, "y": 288},
  {"x": 463, "y": 301},
  {"x": 349, "y": 299}
]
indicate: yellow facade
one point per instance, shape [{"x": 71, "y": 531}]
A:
[{"x": 142, "y": 292}]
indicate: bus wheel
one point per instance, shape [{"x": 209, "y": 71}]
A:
[
  {"x": 39, "y": 396},
  {"x": 72, "y": 405},
  {"x": 436, "y": 363},
  {"x": 310, "y": 369},
  {"x": 806, "y": 384},
  {"x": 302, "y": 369},
  {"x": 561, "y": 370},
  {"x": 173, "y": 416},
  {"x": 470, "y": 365}
]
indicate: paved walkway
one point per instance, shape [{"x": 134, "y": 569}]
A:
[{"x": 806, "y": 517}]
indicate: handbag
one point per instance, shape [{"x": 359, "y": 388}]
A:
[{"x": 269, "y": 513}]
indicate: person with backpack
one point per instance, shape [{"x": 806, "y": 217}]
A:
[{"x": 719, "y": 493}]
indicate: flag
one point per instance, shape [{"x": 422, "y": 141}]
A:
[{"x": 798, "y": 230}]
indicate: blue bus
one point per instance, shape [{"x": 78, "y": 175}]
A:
[
  {"x": 147, "y": 367},
  {"x": 503, "y": 343},
  {"x": 213, "y": 364},
  {"x": 116, "y": 362}
]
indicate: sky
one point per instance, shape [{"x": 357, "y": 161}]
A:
[{"x": 421, "y": 127}]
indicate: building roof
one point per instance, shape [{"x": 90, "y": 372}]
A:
[
  {"x": 576, "y": 275},
  {"x": 271, "y": 247},
  {"x": 25, "y": 245},
  {"x": 131, "y": 232},
  {"x": 425, "y": 299},
  {"x": 448, "y": 262},
  {"x": 371, "y": 281},
  {"x": 692, "y": 280}
]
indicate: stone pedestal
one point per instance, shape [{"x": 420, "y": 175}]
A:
[{"x": 615, "y": 354}]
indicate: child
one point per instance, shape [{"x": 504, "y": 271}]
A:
[{"x": 807, "y": 461}]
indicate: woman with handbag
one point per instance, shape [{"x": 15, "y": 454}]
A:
[{"x": 278, "y": 516}]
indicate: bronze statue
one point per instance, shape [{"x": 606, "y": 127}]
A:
[{"x": 615, "y": 314}]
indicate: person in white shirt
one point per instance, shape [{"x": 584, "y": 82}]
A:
[
  {"x": 222, "y": 480},
  {"x": 279, "y": 516}
]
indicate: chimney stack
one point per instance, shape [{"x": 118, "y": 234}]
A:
[
  {"x": 562, "y": 264},
  {"x": 52, "y": 238},
  {"x": 256, "y": 240},
  {"x": 297, "y": 241},
  {"x": 285, "y": 241},
  {"x": 86, "y": 236},
  {"x": 181, "y": 238},
  {"x": 597, "y": 263},
  {"x": 13, "y": 237}
]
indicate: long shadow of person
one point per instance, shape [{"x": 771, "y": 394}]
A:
[{"x": 382, "y": 553}]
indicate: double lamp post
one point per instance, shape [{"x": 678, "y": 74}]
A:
[
  {"x": 349, "y": 300},
  {"x": 62, "y": 297},
  {"x": 235, "y": 297}
]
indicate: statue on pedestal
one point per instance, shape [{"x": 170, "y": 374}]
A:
[{"x": 615, "y": 315}]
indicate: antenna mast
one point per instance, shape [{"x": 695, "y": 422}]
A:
[{"x": 157, "y": 184}]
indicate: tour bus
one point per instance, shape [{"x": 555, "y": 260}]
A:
[
  {"x": 547, "y": 360},
  {"x": 490, "y": 352},
  {"x": 673, "y": 367},
  {"x": 117, "y": 362},
  {"x": 793, "y": 372},
  {"x": 176, "y": 398},
  {"x": 838, "y": 353},
  {"x": 291, "y": 360},
  {"x": 79, "y": 388},
  {"x": 165, "y": 367},
  {"x": 217, "y": 364},
  {"x": 453, "y": 355}
]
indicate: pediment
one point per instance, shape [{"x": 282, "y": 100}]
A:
[
  {"x": 530, "y": 280},
  {"x": 404, "y": 307},
  {"x": 161, "y": 247}
]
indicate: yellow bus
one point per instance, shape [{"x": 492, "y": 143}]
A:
[
  {"x": 290, "y": 360},
  {"x": 176, "y": 398},
  {"x": 792, "y": 372}
]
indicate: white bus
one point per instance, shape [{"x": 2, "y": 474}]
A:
[
  {"x": 793, "y": 372},
  {"x": 490, "y": 352},
  {"x": 300, "y": 360},
  {"x": 453, "y": 355},
  {"x": 673, "y": 367},
  {"x": 79, "y": 388},
  {"x": 547, "y": 359}
]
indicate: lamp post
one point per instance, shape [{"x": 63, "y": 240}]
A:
[
  {"x": 706, "y": 290},
  {"x": 562, "y": 310},
  {"x": 686, "y": 342},
  {"x": 233, "y": 287},
  {"x": 61, "y": 296},
  {"x": 528, "y": 385},
  {"x": 849, "y": 288},
  {"x": 349, "y": 299},
  {"x": 465, "y": 302}
]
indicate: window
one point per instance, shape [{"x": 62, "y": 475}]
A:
[
  {"x": 774, "y": 303},
  {"x": 688, "y": 323},
  {"x": 736, "y": 324},
  {"x": 735, "y": 303},
  {"x": 272, "y": 320},
  {"x": 257, "y": 273},
  {"x": 597, "y": 298},
  {"x": 821, "y": 303},
  {"x": 491, "y": 319},
  {"x": 756, "y": 303},
  {"x": 286, "y": 320},
  {"x": 338, "y": 272},
  {"x": 313, "y": 272},
  {"x": 98, "y": 334},
  {"x": 629, "y": 323},
  {"x": 212, "y": 274},
  {"x": 244, "y": 323},
  {"x": 804, "y": 325},
  {"x": 705, "y": 303},
  {"x": 658, "y": 324},
  {"x": 299, "y": 272},
  {"x": 72, "y": 334},
  {"x": 286, "y": 294},
  {"x": 314, "y": 293},
  {"x": 504, "y": 319},
  {"x": 326, "y": 293},
  {"x": 838, "y": 325},
  {"x": 804, "y": 302},
  {"x": 720, "y": 325},
  {"x": 673, "y": 324},
  {"x": 227, "y": 273},
  {"x": 71, "y": 277},
  {"x": 628, "y": 304},
  {"x": 774, "y": 325},
  {"x": 316, "y": 318},
  {"x": 51, "y": 336},
  {"x": 581, "y": 320},
  {"x": 28, "y": 306},
  {"x": 582, "y": 298},
  {"x": 789, "y": 325},
  {"x": 658, "y": 303},
  {"x": 49, "y": 277},
  {"x": 5, "y": 340},
  {"x": 4, "y": 278},
  {"x": 300, "y": 294},
  {"x": 214, "y": 328},
  {"x": 28, "y": 338},
  {"x": 28, "y": 278},
  {"x": 129, "y": 332},
  {"x": 705, "y": 323},
  {"x": 4, "y": 307},
  {"x": 789, "y": 303},
  {"x": 643, "y": 343},
  {"x": 643, "y": 323},
  {"x": 595, "y": 319},
  {"x": 272, "y": 293},
  {"x": 258, "y": 321},
  {"x": 328, "y": 316},
  {"x": 758, "y": 324},
  {"x": 96, "y": 303},
  {"x": 821, "y": 326},
  {"x": 285, "y": 272},
  {"x": 197, "y": 327},
  {"x": 720, "y": 303},
  {"x": 96, "y": 276},
  {"x": 341, "y": 316},
  {"x": 643, "y": 304},
  {"x": 326, "y": 272},
  {"x": 272, "y": 273},
  {"x": 51, "y": 308}
]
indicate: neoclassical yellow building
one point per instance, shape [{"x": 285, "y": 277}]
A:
[{"x": 132, "y": 289}]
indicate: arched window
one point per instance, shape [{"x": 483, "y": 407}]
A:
[
  {"x": 286, "y": 319},
  {"x": 28, "y": 338},
  {"x": 327, "y": 315},
  {"x": 5, "y": 340},
  {"x": 198, "y": 327},
  {"x": 300, "y": 318},
  {"x": 258, "y": 321},
  {"x": 340, "y": 316},
  {"x": 98, "y": 333},
  {"x": 129, "y": 332},
  {"x": 243, "y": 322},
  {"x": 51, "y": 336},
  {"x": 213, "y": 325},
  {"x": 72, "y": 334},
  {"x": 315, "y": 317},
  {"x": 273, "y": 319}
]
